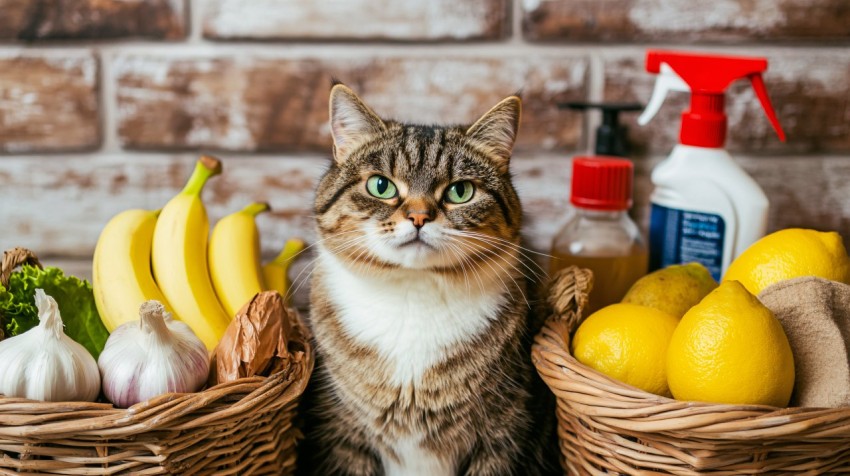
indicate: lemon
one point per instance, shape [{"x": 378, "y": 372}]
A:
[
  {"x": 627, "y": 342},
  {"x": 730, "y": 348},
  {"x": 673, "y": 289},
  {"x": 790, "y": 253}
]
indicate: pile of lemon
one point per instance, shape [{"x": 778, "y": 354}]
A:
[{"x": 677, "y": 333}]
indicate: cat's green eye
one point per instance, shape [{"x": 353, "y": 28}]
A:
[
  {"x": 381, "y": 187},
  {"x": 460, "y": 192}
]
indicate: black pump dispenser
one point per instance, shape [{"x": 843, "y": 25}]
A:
[{"x": 611, "y": 138}]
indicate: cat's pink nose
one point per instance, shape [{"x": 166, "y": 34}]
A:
[{"x": 418, "y": 218}]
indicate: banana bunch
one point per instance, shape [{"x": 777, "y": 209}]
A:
[{"x": 169, "y": 255}]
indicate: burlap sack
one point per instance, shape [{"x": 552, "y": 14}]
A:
[{"x": 815, "y": 313}]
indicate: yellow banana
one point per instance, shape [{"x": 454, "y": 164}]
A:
[
  {"x": 275, "y": 271},
  {"x": 121, "y": 269},
  {"x": 180, "y": 257},
  {"x": 234, "y": 258}
]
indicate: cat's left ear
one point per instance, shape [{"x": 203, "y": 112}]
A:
[
  {"x": 352, "y": 122},
  {"x": 495, "y": 132}
]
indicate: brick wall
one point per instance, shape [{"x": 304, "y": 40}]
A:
[{"x": 105, "y": 104}]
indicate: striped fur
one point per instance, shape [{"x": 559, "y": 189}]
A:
[{"x": 423, "y": 333}]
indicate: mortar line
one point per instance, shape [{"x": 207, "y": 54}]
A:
[
  {"x": 109, "y": 107},
  {"x": 595, "y": 93},
  {"x": 516, "y": 22},
  {"x": 195, "y": 10},
  {"x": 295, "y": 50}
]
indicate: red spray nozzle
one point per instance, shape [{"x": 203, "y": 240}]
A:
[{"x": 708, "y": 76}]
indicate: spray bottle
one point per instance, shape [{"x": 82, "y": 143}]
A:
[{"x": 705, "y": 208}]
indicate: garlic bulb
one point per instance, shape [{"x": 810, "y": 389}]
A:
[
  {"x": 154, "y": 355},
  {"x": 45, "y": 364}
]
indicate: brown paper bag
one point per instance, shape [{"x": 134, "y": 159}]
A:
[{"x": 257, "y": 341}]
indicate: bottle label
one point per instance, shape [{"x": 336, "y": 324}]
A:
[{"x": 682, "y": 236}]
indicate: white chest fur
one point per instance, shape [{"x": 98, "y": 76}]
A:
[{"x": 410, "y": 317}]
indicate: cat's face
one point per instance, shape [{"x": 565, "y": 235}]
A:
[{"x": 418, "y": 197}]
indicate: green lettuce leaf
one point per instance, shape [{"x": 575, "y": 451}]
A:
[{"x": 73, "y": 295}]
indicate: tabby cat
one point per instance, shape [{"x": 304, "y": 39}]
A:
[{"x": 420, "y": 302}]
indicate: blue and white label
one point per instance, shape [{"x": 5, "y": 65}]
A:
[{"x": 682, "y": 236}]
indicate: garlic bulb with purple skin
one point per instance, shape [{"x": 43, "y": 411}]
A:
[{"x": 152, "y": 356}]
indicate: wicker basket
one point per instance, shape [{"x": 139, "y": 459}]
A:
[
  {"x": 243, "y": 427},
  {"x": 605, "y": 426}
]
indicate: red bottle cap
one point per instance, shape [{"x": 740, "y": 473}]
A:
[{"x": 602, "y": 183}]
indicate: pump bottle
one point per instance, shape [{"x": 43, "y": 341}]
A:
[
  {"x": 611, "y": 136},
  {"x": 705, "y": 208},
  {"x": 600, "y": 235}
]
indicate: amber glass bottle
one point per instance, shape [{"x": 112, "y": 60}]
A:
[{"x": 600, "y": 235}]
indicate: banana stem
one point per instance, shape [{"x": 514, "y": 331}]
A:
[
  {"x": 256, "y": 208},
  {"x": 289, "y": 251},
  {"x": 205, "y": 168}
]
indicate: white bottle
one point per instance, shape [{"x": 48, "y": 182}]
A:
[{"x": 705, "y": 208}]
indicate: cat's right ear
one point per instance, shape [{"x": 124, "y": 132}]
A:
[
  {"x": 352, "y": 122},
  {"x": 495, "y": 132}
]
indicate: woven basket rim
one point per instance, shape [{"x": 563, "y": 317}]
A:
[
  {"x": 11, "y": 260},
  {"x": 14, "y": 258},
  {"x": 24, "y": 418},
  {"x": 621, "y": 406},
  {"x": 103, "y": 420}
]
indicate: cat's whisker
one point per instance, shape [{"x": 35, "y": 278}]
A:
[
  {"x": 463, "y": 262},
  {"x": 360, "y": 252},
  {"x": 308, "y": 247},
  {"x": 472, "y": 268},
  {"x": 481, "y": 252},
  {"x": 444, "y": 258},
  {"x": 498, "y": 242},
  {"x": 493, "y": 252},
  {"x": 292, "y": 289},
  {"x": 524, "y": 252},
  {"x": 503, "y": 240},
  {"x": 321, "y": 241},
  {"x": 295, "y": 281},
  {"x": 537, "y": 271},
  {"x": 521, "y": 250},
  {"x": 340, "y": 248},
  {"x": 534, "y": 276},
  {"x": 483, "y": 258},
  {"x": 456, "y": 252},
  {"x": 362, "y": 265},
  {"x": 512, "y": 265}
]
